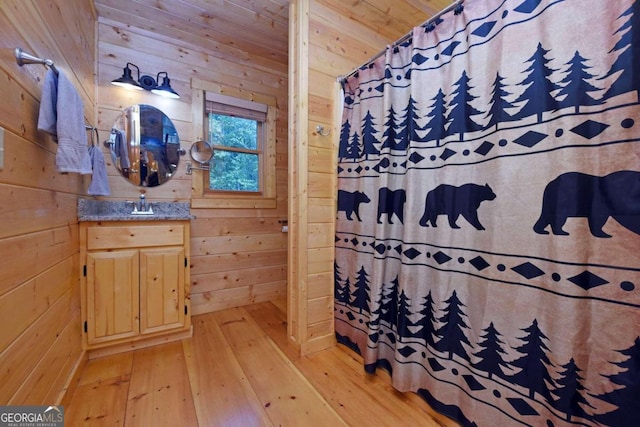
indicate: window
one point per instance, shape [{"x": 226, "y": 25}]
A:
[
  {"x": 237, "y": 135},
  {"x": 241, "y": 130}
]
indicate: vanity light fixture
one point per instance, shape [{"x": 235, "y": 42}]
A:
[
  {"x": 127, "y": 81},
  {"x": 165, "y": 88},
  {"x": 146, "y": 82}
]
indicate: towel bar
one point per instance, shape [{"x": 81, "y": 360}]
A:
[{"x": 23, "y": 58}]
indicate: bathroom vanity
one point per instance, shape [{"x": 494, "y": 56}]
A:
[{"x": 135, "y": 275}]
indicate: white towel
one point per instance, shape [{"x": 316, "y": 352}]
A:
[
  {"x": 47, "y": 118},
  {"x": 99, "y": 183},
  {"x": 62, "y": 115},
  {"x": 119, "y": 150},
  {"x": 72, "y": 154},
  {"x": 113, "y": 147},
  {"x": 122, "y": 148}
]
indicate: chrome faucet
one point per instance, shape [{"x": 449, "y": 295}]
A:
[{"x": 142, "y": 208}]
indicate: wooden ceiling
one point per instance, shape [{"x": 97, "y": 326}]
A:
[{"x": 253, "y": 27}]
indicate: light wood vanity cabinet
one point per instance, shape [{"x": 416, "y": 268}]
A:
[{"x": 134, "y": 283}]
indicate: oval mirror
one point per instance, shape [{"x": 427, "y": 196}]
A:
[
  {"x": 144, "y": 146},
  {"x": 201, "y": 152}
]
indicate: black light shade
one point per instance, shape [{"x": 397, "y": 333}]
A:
[
  {"x": 127, "y": 80},
  {"x": 165, "y": 88}
]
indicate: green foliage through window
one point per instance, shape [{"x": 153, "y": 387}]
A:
[
  {"x": 231, "y": 171},
  {"x": 232, "y": 131},
  {"x": 236, "y": 161}
]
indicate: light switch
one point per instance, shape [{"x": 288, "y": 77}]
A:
[{"x": 1, "y": 148}]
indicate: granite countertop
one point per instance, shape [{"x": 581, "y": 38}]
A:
[{"x": 107, "y": 210}]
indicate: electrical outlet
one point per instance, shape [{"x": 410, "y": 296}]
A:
[{"x": 1, "y": 148}]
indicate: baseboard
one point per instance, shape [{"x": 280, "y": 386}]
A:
[
  {"x": 317, "y": 344},
  {"x": 130, "y": 346},
  {"x": 72, "y": 382}
]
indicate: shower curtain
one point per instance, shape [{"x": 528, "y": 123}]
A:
[{"x": 488, "y": 224}]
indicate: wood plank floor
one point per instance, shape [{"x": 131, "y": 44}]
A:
[{"x": 238, "y": 370}]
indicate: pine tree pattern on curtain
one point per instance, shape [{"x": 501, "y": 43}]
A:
[{"x": 488, "y": 224}]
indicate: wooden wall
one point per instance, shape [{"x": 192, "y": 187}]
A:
[
  {"x": 330, "y": 38},
  {"x": 40, "y": 337},
  {"x": 238, "y": 256}
]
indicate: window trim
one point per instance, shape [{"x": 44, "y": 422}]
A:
[{"x": 201, "y": 197}]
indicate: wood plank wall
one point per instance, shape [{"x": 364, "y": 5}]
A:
[
  {"x": 336, "y": 38},
  {"x": 40, "y": 337},
  {"x": 238, "y": 256}
]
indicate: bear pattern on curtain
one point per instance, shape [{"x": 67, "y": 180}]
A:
[{"x": 488, "y": 224}]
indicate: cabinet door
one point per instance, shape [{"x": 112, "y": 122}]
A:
[
  {"x": 162, "y": 299},
  {"x": 112, "y": 295}
]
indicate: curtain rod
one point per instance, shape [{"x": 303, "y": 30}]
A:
[{"x": 457, "y": 6}]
